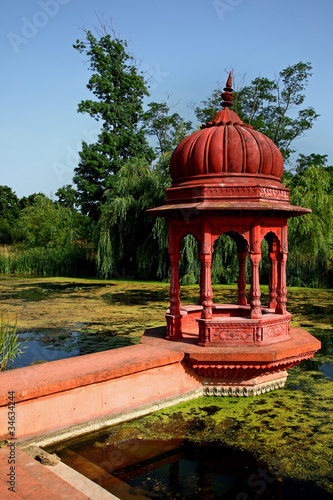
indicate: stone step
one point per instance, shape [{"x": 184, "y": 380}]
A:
[
  {"x": 32, "y": 479},
  {"x": 101, "y": 476}
]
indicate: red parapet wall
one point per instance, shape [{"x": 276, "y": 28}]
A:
[{"x": 101, "y": 387}]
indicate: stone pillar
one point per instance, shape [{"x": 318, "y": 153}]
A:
[
  {"x": 173, "y": 317},
  {"x": 201, "y": 287},
  {"x": 242, "y": 254},
  {"x": 273, "y": 277},
  {"x": 255, "y": 287},
  {"x": 281, "y": 307},
  {"x": 174, "y": 284},
  {"x": 206, "y": 292},
  {"x": 255, "y": 257}
]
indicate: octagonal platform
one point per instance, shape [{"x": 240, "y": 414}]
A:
[{"x": 238, "y": 370}]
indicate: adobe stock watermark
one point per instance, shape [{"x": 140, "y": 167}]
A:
[
  {"x": 259, "y": 481},
  {"x": 31, "y": 27},
  {"x": 64, "y": 170},
  {"x": 223, "y": 7},
  {"x": 123, "y": 276},
  {"x": 154, "y": 76},
  {"x": 187, "y": 213}
]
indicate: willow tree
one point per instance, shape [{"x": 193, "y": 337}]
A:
[
  {"x": 311, "y": 236},
  {"x": 130, "y": 242}
]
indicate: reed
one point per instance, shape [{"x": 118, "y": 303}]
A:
[
  {"x": 71, "y": 261},
  {"x": 9, "y": 343}
]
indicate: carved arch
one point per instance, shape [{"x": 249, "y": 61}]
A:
[{"x": 241, "y": 231}]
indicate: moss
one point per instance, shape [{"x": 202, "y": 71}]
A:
[{"x": 291, "y": 429}]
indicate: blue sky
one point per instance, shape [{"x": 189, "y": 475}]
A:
[{"x": 186, "y": 45}]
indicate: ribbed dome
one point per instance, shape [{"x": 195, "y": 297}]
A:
[
  {"x": 225, "y": 175},
  {"x": 226, "y": 147}
]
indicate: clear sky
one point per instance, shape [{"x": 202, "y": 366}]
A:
[{"x": 186, "y": 45}]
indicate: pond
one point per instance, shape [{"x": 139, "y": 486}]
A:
[
  {"x": 64, "y": 317},
  {"x": 61, "y": 318},
  {"x": 278, "y": 445}
]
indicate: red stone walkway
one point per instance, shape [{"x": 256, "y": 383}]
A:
[{"x": 34, "y": 480}]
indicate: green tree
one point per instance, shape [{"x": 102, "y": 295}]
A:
[
  {"x": 9, "y": 204},
  {"x": 128, "y": 237},
  {"x": 311, "y": 236},
  {"x": 168, "y": 128},
  {"x": 271, "y": 106},
  {"x": 44, "y": 224},
  {"x": 209, "y": 106},
  {"x": 67, "y": 197},
  {"x": 27, "y": 201},
  {"x": 9, "y": 212},
  {"x": 119, "y": 90},
  {"x": 303, "y": 162}
]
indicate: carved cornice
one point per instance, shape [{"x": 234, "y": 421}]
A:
[
  {"x": 228, "y": 192},
  {"x": 245, "y": 371}
]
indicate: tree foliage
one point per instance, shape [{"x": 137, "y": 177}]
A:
[
  {"x": 67, "y": 197},
  {"x": 9, "y": 204},
  {"x": 9, "y": 211},
  {"x": 168, "y": 128},
  {"x": 44, "y": 224},
  {"x": 126, "y": 232},
  {"x": 119, "y": 89},
  {"x": 271, "y": 106},
  {"x": 311, "y": 235},
  {"x": 312, "y": 190},
  {"x": 209, "y": 106}
]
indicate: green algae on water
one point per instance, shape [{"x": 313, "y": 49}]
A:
[{"x": 291, "y": 430}]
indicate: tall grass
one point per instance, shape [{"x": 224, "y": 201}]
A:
[
  {"x": 9, "y": 344},
  {"x": 72, "y": 261}
]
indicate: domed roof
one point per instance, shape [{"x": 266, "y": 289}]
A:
[
  {"x": 226, "y": 169},
  {"x": 226, "y": 147}
]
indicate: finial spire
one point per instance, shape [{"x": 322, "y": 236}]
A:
[{"x": 227, "y": 95}]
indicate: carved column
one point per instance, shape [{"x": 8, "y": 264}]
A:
[
  {"x": 201, "y": 286},
  {"x": 174, "y": 284},
  {"x": 174, "y": 316},
  {"x": 281, "y": 307},
  {"x": 273, "y": 277},
  {"x": 255, "y": 257},
  {"x": 242, "y": 254},
  {"x": 206, "y": 292},
  {"x": 255, "y": 287}
]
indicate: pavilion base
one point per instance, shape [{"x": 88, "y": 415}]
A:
[
  {"x": 237, "y": 370},
  {"x": 252, "y": 387}
]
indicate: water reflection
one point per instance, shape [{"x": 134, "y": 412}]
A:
[
  {"x": 54, "y": 344},
  {"x": 174, "y": 469}
]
